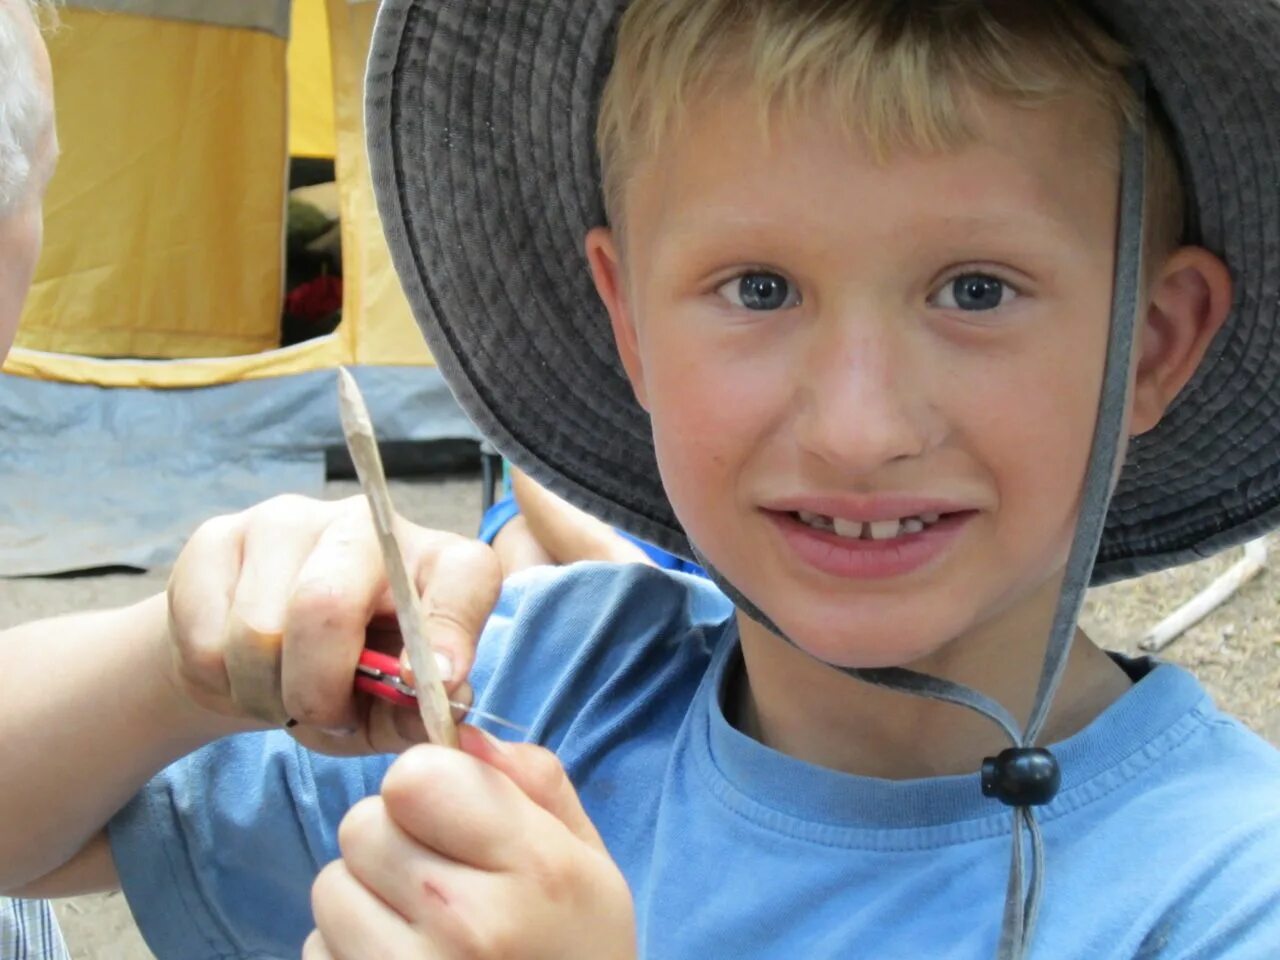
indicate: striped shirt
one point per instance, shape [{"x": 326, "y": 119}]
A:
[{"x": 28, "y": 931}]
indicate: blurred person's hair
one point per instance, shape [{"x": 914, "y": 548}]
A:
[{"x": 24, "y": 106}]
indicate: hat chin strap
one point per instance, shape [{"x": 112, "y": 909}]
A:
[{"x": 1026, "y": 776}]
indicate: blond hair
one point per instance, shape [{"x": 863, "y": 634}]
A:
[
  {"x": 895, "y": 71},
  {"x": 25, "y": 107}
]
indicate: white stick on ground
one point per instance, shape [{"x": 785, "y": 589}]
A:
[{"x": 1208, "y": 599}]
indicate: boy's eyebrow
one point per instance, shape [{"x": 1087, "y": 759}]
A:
[
  {"x": 715, "y": 220},
  {"x": 1008, "y": 220}
]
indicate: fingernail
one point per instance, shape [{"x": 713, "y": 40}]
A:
[
  {"x": 339, "y": 731},
  {"x": 445, "y": 665}
]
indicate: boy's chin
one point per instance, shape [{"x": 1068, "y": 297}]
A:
[{"x": 869, "y": 641}]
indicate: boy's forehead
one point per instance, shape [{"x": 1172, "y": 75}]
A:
[{"x": 1053, "y": 168}]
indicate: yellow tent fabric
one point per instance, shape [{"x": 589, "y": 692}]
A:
[
  {"x": 372, "y": 288},
  {"x": 165, "y": 227},
  {"x": 162, "y": 230},
  {"x": 311, "y": 123}
]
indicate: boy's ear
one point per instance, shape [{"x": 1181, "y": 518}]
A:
[
  {"x": 1190, "y": 300},
  {"x": 606, "y": 270}
]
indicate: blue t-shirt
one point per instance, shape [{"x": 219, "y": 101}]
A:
[
  {"x": 506, "y": 510},
  {"x": 1163, "y": 842}
]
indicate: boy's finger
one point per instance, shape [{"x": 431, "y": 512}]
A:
[
  {"x": 463, "y": 809},
  {"x": 381, "y": 730},
  {"x": 329, "y": 608},
  {"x": 314, "y": 948},
  {"x": 394, "y": 729},
  {"x": 253, "y": 669},
  {"x": 459, "y": 584},
  {"x": 539, "y": 773},
  {"x": 419, "y": 884},
  {"x": 278, "y": 536},
  {"x": 200, "y": 593},
  {"x": 354, "y": 923}
]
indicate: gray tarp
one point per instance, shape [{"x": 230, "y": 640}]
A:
[
  {"x": 92, "y": 477},
  {"x": 271, "y": 16}
]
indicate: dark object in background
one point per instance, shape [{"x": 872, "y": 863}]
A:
[
  {"x": 311, "y": 310},
  {"x": 313, "y": 274},
  {"x": 411, "y": 458},
  {"x": 308, "y": 171}
]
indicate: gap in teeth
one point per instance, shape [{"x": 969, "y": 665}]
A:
[{"x": 877, "y": 530}]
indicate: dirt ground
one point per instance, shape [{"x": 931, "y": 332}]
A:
[{"x": 1236, "y": 652}]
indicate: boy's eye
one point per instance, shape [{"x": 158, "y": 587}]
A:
[
  {"x": 974, "y": 292},
  {"x": 760, "y": 290}
]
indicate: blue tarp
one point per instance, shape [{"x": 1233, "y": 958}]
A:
[{"x": 93, "y": 477}]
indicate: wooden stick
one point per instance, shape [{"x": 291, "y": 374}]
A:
[
  {"x": 433, "y": 701},
  {"x": 1208, "y": 599}
]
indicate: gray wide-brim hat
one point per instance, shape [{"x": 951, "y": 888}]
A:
[{"x": 481, "y": 120}]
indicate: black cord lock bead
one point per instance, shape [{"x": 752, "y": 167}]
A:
[{"x": 1022, "y": 777}]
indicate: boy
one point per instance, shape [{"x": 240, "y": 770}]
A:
[{"x": 861, "y": 265}]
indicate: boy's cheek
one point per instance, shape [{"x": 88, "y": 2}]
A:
[
  {"x": 695, "y": 438},
  {"x": 1036, "y": 449},
  {"x": 705, "y": 422}
]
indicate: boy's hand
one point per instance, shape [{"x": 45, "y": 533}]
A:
[
  {"x": 485, "y": 853},
  {"x": 269, "y": 610}
]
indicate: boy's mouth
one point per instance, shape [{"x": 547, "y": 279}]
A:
[
  {"x": 872, "y": 549},
  {"x": 872, "y": 530},
  {"x": 878, "y": 547}
]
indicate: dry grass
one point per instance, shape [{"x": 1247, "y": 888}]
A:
[{"x": 1235, "y": 651}]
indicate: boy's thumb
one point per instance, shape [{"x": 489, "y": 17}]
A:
[{"x": 539, "y": 774}]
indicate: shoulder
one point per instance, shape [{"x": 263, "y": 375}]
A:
[
  {"x": 1178, "y": 764},
  {"x": 1224, "y": 773},
  {"x": 565, "y": 640},
  {"x": 1203, "y": 829},
  {"x": 1212, "y": 847}
]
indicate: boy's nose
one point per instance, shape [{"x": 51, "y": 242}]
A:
[{"x": 863, "y": 401}]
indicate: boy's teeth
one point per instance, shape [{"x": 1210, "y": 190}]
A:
[
  {"x": 848, "y": 528},
  {"x": 884, "y": 529},
  {"x": 876, "y": 530},
  {"x": 816, "y": 520}
]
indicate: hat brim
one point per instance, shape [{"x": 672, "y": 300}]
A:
[{"x": 481, "y": 125}]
